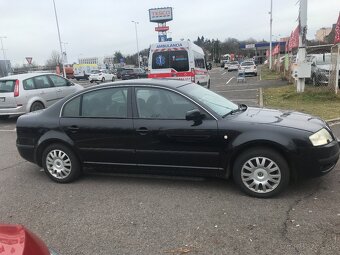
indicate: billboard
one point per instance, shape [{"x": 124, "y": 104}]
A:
[{"x": 160, "y": 15}]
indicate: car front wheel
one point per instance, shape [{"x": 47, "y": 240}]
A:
[
  {"x": 261, "y": 172},
  {"x": 60, "y": 163}
]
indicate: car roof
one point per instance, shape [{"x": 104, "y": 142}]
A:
[
  {"x": 167, "y": 83},
  {"x": 23, "y": 76}
]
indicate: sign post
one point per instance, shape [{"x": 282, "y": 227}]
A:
[{"x": 161, "y": 16}]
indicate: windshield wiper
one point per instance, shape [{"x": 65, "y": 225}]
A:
[{"x": 241, "y": 108}]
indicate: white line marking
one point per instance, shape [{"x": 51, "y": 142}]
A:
[
  {"x": 224, "y": 73},
  {"x": 8, "y": 130},
  {"x": 334, "y": 123},
  {"x": 235, "y": 90},
  {"x": 230, "y": 80}
]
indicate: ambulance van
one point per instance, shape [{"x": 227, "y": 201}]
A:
[{"x": 182, "y": 60}]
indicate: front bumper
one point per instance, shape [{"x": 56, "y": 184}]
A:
[{"x": 317, "y": 161}]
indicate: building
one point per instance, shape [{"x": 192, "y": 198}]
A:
[
  {"x": 322, "y": 33},
  {"x": 258, "y": 50}
]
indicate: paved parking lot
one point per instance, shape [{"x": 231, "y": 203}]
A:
[{"x": 122, "y": 214}]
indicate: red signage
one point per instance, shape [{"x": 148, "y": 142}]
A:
[
  {"x": 337, "y": 31},
  {"x": 29, "y": 60},
  {"x": 162, "y": 29}
]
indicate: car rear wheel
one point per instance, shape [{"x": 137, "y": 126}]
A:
[
  {"x": 36, "y": 106},
  {"x": 103, "y": 79},
  {"x": 209, "y": 84},
  {"x": 261, "y": 172},
  {"x": 60, "y": 163},
  {"x": 113, "y": 78}
]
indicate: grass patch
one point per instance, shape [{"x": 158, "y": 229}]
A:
[
  {"x": 267, "y": 74},
  {"x": 313, "y": 101}
]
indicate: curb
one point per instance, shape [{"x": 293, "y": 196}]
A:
[{"x": 261, "y": 98}]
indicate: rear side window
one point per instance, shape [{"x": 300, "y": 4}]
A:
[
  {"x": 29, "y": 84},
  {"x": 42, "y": 82},
  {"x": 7, "y": 86},
  {"x": 72, "y": 108}
]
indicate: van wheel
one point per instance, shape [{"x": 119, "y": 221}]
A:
[
  {"x": 36, "y": 106},
  {"x": 261, "y": 172}
]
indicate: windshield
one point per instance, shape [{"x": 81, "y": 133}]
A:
[
  {"x": 177, "y": 60},
  {"x": 234, "y": 63},
  {"x": 95, "y": 71},
  {"x": 7, "y": 86},
  {"x": 324, "y": 60},
  {"x": 215, "y": 102}
]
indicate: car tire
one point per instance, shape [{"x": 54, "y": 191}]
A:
[
  {"x": 91, "y": 81},
  {"x": 77, "y": 79},
  {"x": 314, "y": 82},
  {"x": 113, "y": 79},
  {"x": 4, "y": 117},
  {"x": 261, "y": 172},
  {"x": 36, "y": 106},
  {"x": 103, "y": 80},
  {"x": 208, "y": 84},
  {"x": 60, "y": 163}
]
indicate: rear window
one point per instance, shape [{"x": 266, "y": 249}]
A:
[
  {"x": 127, "y": 71},
  {"x": 177, "y": 60},
  {"x": 7, "y": 85},
  {"x": 247, "y": 64},
  {"x": 234, "y": 63}
]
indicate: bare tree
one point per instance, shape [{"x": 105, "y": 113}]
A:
[{"x": 54, "y": 60}]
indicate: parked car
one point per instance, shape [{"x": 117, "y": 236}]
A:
[
  {"x": 249, "y": 67},
  {"x": 30, "y": 92},
  {"x": 18, "y": 240},
  {"x": 233, "y": 66},
  {"x": 119, "y": 71},
  {"x": 172, "y": 126},
  {"x": 134, "y": 73},
  {"x": 101, "y": 76}
]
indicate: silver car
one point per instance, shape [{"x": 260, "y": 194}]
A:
[{"x": 29, "y": 92}]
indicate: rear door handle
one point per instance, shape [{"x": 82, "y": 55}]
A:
[
  {"x": 73, "y": 128},
  {"x": 142, "y": 131}
]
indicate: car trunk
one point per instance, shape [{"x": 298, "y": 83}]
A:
[{"x": 7, "y": 99}]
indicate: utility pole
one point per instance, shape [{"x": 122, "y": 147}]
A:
[
  {"x": 302, "y": 42},
  {"x": 61, "y": 48},
  {"x": 271, "y": 34},
  {"x": 137, "y": 42},
  {"x": 3, "y": 52}
]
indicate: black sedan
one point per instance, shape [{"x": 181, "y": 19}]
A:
[
  {"x": 134, "y": 73},
  {"x": 176, "y": 127}
]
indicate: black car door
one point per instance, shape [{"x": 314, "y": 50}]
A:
[
  {"x": 100, "y": 124},
  {"x": 165, "y": 138}
]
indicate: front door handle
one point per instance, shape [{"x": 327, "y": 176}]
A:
[{"x": 142, "y": 131}]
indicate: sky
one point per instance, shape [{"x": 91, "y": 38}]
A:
[{"x": 101, "y": 27}]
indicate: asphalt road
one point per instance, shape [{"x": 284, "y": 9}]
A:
[{"x": 121, "y": 214}]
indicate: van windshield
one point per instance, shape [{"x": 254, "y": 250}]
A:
[
  {"x": 177, "y": 60},
  {"x": 7, "y": 86}
]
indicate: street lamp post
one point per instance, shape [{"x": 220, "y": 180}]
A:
[
  {"x": 61, "y": 48},
  {"x": 271, "y": 34},
  {"x": 137, "y": 42},
  {"x": 3, "y": 52}
]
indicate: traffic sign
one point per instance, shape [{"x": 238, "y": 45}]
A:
[
  {"x": 29, "y": 60},
  {"x": 162, "y": 29}
]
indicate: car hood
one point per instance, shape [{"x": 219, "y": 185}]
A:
[
  {"x": 283, "y": 118},
  {"x": 324, "y": 67}
]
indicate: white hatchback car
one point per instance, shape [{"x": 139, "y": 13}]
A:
[
  {"x": 249, "y": 67},
  {"x": 29, "y": 92},
  {"x": 101, "y": 76}
]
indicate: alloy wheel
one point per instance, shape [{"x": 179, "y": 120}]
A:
[{"x": 58, "y": 164}]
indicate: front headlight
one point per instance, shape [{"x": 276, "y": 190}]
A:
[{"x": 321, "y": 137}]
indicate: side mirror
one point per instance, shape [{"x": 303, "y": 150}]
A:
[
  {"x": 69, "y": 83},
  {"x": 195, "y": 115}
]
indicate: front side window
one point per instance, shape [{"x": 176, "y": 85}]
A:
[
  {"x": 199, "y": 63},
  {"x": 58, "y": 81},
  {"x": 154, "y": 103},
  {"x": 42, "y": 82},
  {"x": 104, "y": 103}
]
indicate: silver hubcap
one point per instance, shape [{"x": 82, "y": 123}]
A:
[
  {"x": 58, "y": 164},
  {"x": 261, "y": 175}
]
